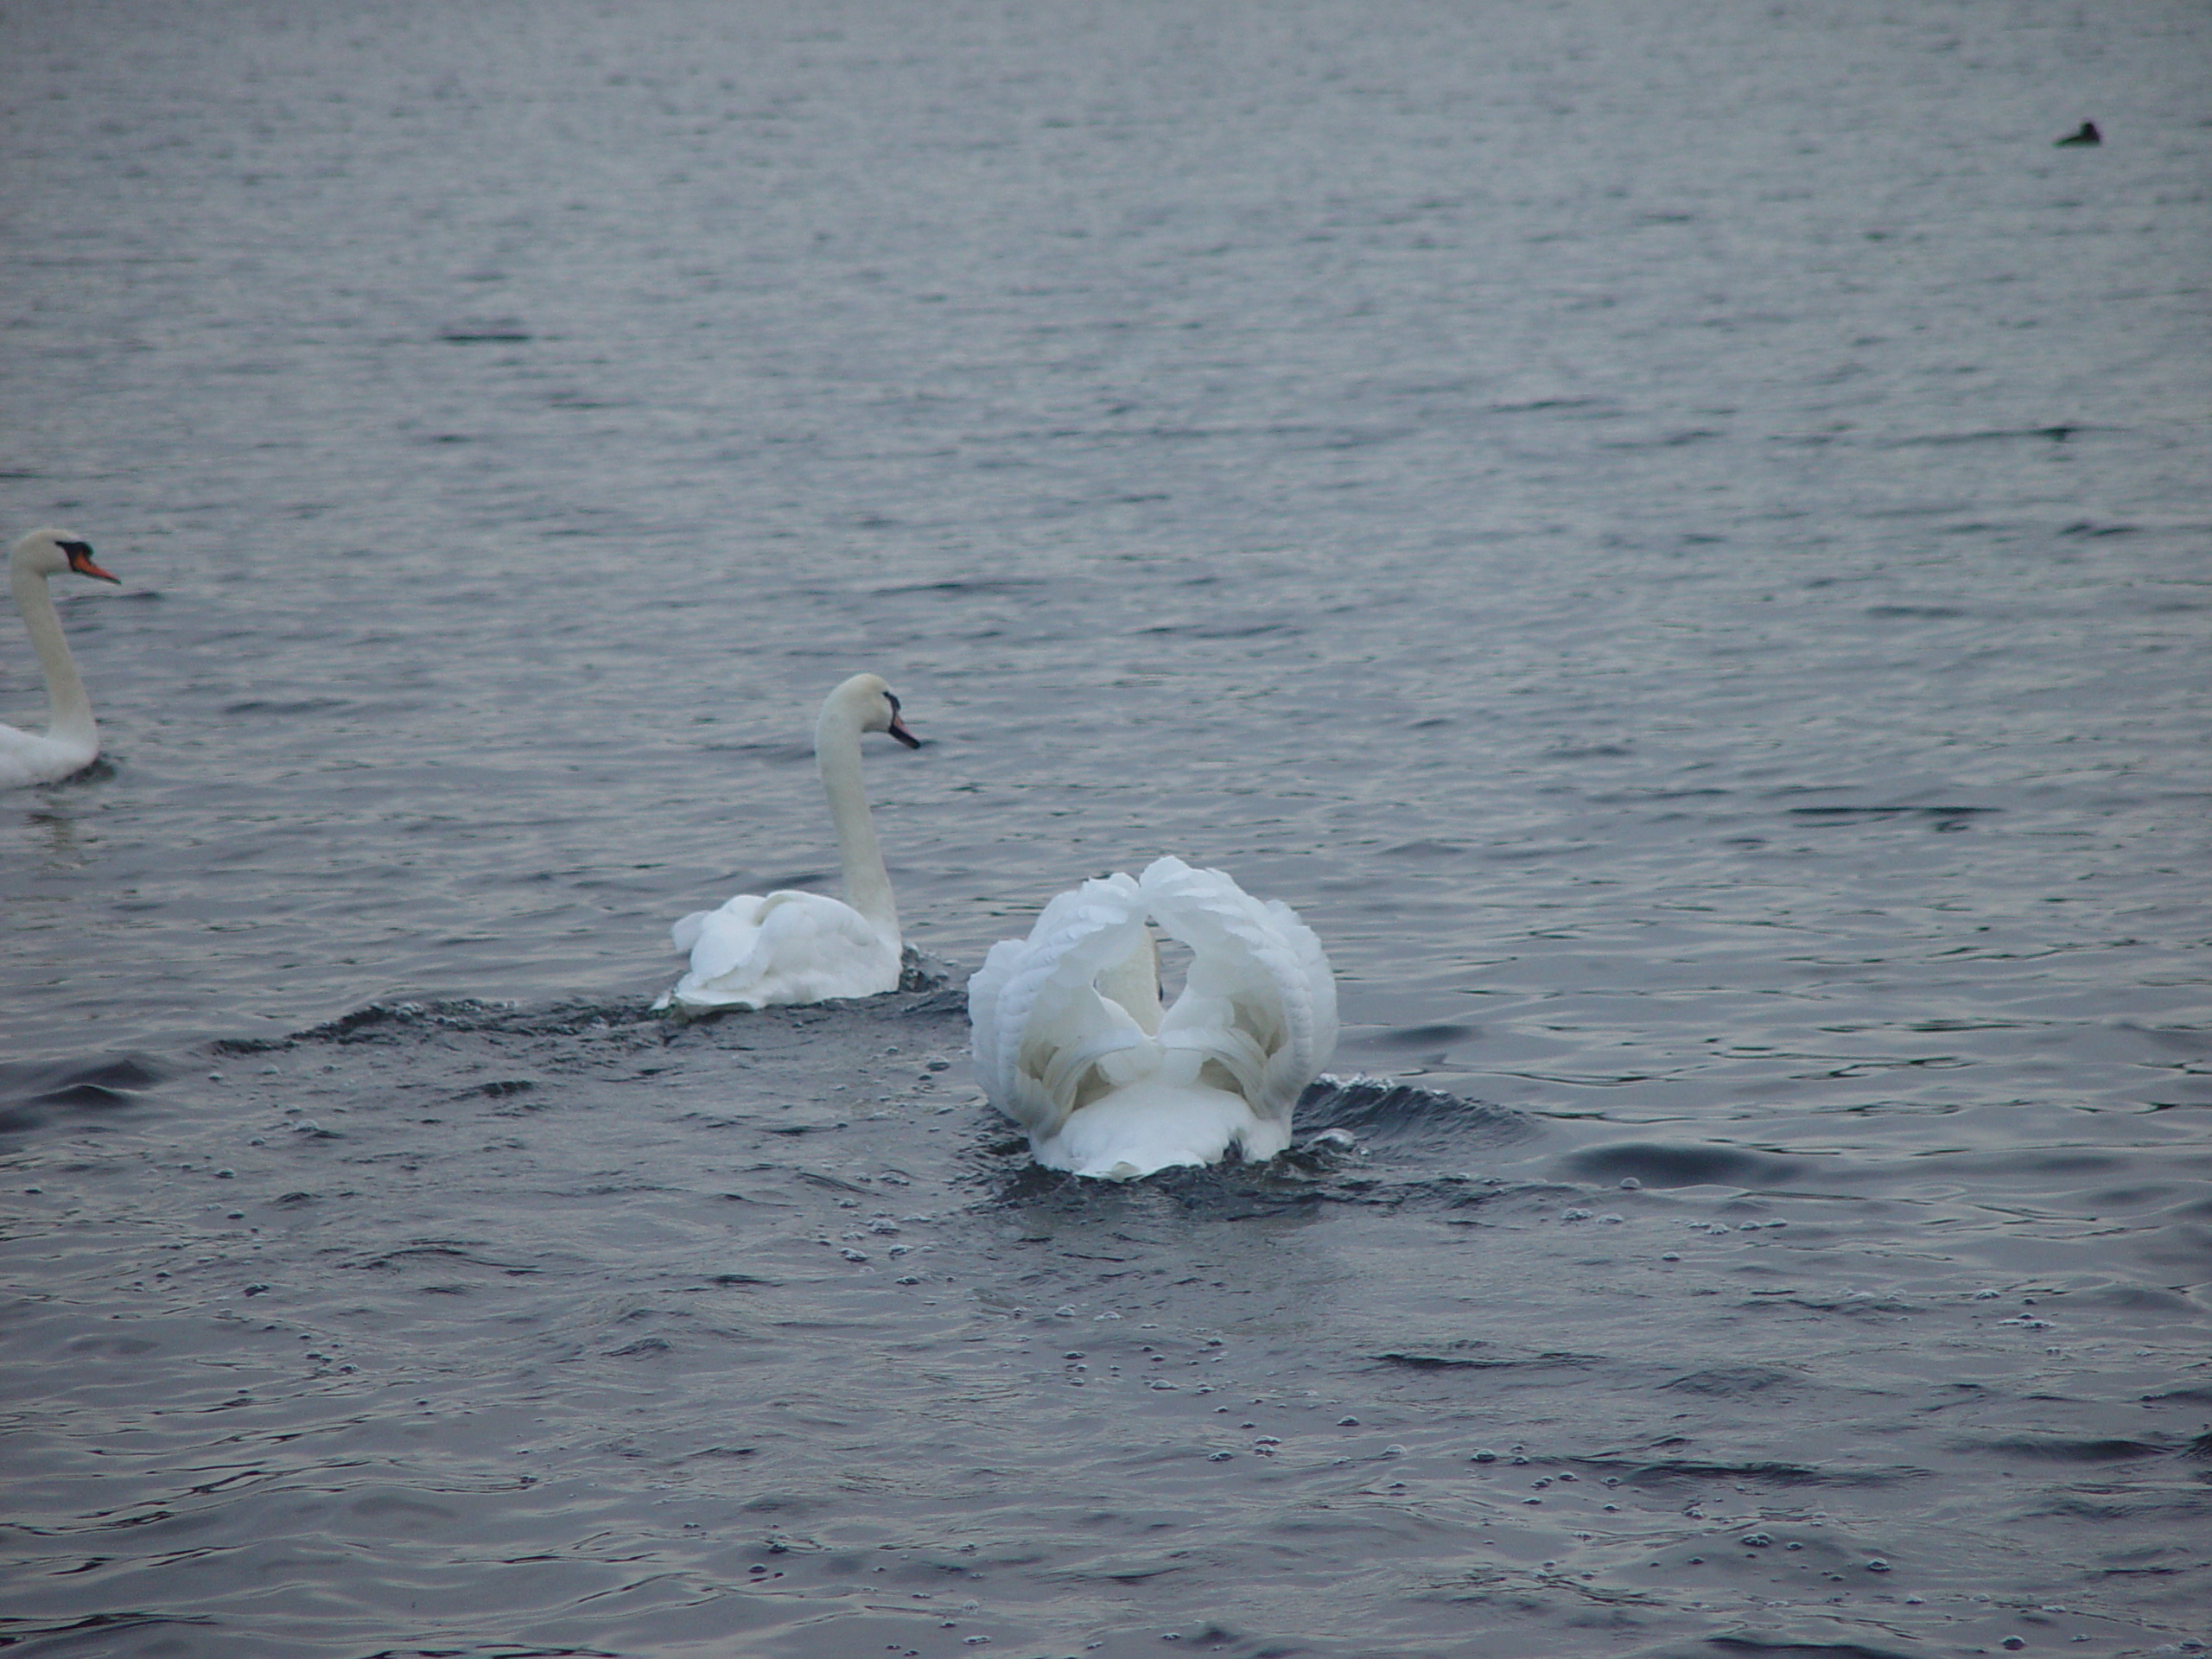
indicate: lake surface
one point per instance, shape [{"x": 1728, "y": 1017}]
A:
[{"x": 1676, "y": 538}]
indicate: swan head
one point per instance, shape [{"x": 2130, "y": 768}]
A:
[
  {"x": 49, "y": 552},
  {"x": 875, "y": 709}
]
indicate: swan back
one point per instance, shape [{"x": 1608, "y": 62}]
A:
[{"x": 1071, "y": 1041}]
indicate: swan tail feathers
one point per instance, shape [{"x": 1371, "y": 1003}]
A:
[{"x": 1151, "y": 1126}]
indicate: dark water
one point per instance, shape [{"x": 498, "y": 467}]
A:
[{"x": 1674, "y": 536}]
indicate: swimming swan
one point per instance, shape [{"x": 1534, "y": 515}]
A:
[
  {"x": 806, "y": 947},
  {"x": 1071, "y": 1041},
  {"x": 71, "y": 741}
]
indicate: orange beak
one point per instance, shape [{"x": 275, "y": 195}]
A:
[{"x": 80, "y": 561}]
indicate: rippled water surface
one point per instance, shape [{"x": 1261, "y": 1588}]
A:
[{"x": 1674, "y": 536}]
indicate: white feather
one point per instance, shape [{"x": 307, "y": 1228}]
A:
[
  {"x": 1071, "y": 1044},
  {"x": 760, "y": 950},
  {"x": 71, "y": 740}
]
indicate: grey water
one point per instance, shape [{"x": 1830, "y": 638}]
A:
[{"x": 1675, "y": 537}]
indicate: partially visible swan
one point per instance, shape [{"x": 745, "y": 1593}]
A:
[
  {"x": 71, "y": 741},
  {"x": 1071, "y": 1041},
  {"x": 806, "y": 947}
]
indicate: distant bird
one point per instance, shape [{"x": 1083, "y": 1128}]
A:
[
  {"x": 1071, "y": 1041},
  {"x": 71, "y": 739},
  {"x": 2087, "y": 134},
  {"x": 758, "y": 950}
]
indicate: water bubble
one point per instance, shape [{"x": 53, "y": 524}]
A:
[
  {"x": 1630, "y": 1184},
  {"x": 1670, "y": 1256},
  {"x": 1483, "y": 1457},
  {"x": 1756, "y": 1540},
  {"x": 852, "y": 1254},
  {"x": 1878, "y": 1565},
  {"x": 1347, "y": 1423}
]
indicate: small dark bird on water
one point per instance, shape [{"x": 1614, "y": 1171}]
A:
[{"x": 2088, "y": 135}]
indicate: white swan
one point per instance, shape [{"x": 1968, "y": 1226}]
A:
[
  {"x": 759, "y": 949},
  {"x": 1071, "y": 1044},
  {"x": 71, "y": 741}
]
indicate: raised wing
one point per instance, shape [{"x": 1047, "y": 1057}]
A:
[{"x": 1259, "y": 1004}]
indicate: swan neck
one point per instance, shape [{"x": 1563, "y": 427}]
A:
[
  {"x": 71, "y": 715},
  {"x": 838, "y": 753},
  {"x": 1133, "y": 983}
]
